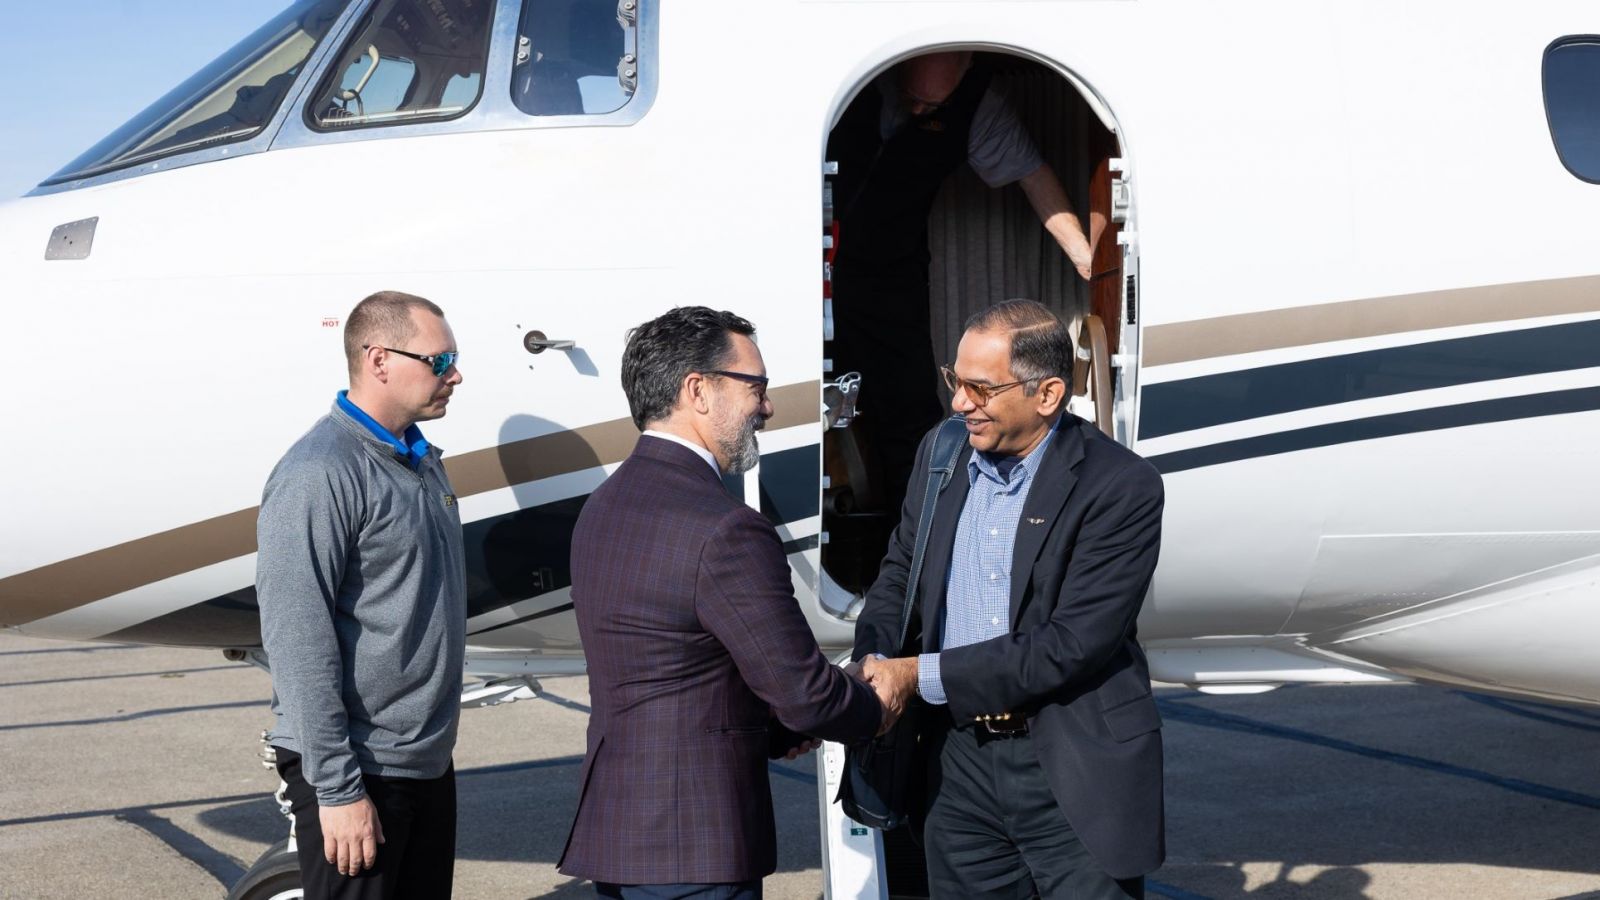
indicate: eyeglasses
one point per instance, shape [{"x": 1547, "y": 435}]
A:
[
  {"x": 441, "y": 362},
  {"x": 760, "y": 381},
  {"x": 977, "y": 391}
]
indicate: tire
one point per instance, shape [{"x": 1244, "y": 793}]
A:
[{"x": 275, "y": 876}]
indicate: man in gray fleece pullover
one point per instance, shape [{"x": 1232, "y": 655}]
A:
[{"x": 361, "y": 582}]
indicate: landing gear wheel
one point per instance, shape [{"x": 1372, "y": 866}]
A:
[{"x": 275, "y": 876}]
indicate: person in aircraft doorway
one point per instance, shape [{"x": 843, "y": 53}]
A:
[{"x": 895, "y": 144}]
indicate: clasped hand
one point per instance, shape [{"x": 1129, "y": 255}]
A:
[{"x": 894, "y": 681}]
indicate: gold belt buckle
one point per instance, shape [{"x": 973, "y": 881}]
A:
[{"x": 1005, "y": 723}]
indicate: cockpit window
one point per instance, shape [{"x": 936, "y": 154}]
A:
[
  {"x": 411, "y": 60},
  {"x": 576, "y": 57},
  {"x": 230, "y": 100}
]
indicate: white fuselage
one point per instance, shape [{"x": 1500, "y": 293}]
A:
[{"x": 1294, "y": 170}]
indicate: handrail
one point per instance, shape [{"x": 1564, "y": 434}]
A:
[{"x": 1100, "y": 371}]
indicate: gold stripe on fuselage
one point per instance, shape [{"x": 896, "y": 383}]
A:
[
  {"x": 71, "y": 583},
  {"x": 1274, "y": 329}
]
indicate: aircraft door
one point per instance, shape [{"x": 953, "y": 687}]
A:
[{"x": 1112, "y": 284}]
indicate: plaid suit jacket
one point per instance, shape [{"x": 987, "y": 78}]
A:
[{"x": 696, "y": 651}]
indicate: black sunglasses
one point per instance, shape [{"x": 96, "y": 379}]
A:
[
  {"x": 760, "y": 381},
  {"x": 441, "y": 362}
]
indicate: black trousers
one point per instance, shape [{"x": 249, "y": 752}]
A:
[
  {"x": 417, "y": 859},
  {"x": 994, "y": 829},
  {"x": 883, "y": 329},
  {"x": 741, "y": 890}
]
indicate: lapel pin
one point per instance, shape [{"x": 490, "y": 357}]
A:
[{"x": 1033, "y": 521}]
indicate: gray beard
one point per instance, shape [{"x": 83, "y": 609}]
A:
[{"x": 741, "y": 450}]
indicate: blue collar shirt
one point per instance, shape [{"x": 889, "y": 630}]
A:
[
  {"x": 412, "y": 449},
  {"x": 977, "y": 603}
]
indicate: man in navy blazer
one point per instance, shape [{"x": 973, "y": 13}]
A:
[
  {"x": 1042, "y": 738},
  {"x": 701, "y": 664}
]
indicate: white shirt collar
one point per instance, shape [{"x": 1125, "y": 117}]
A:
[{"x": 699, "y": 451}]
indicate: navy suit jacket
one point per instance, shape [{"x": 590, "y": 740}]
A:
[
  {"x": 696, "y": 651},
  {"x": 1085, "y": 550}
]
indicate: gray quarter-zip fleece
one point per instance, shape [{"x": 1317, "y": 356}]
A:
[{"x": 362, "y": 587}]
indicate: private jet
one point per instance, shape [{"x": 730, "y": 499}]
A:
[{"x": 1343, "y": 299}]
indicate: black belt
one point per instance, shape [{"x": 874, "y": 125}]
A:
[
  {"x": 1012, "y": 724},
  {"x": 1001, "y": 725}
]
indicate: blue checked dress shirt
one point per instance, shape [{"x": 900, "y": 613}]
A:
[{"x": 977, "y": 603}]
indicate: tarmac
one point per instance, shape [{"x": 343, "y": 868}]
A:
[{"x": 132, "y": 771}]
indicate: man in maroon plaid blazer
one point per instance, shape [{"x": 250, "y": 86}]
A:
[{"x": 701, "y": 665}]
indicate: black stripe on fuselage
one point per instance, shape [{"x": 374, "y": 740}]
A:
[
  {"x": 531, "y": 617},
  {"x": 1184, "y": 405},
  {"x": 791, "y": 484},
  {"x": 1483, "y": 412},
  {"x": 797, "y": 545},
  {"x": 512, "y": 557},
  {"x": 802, "y": 544}
]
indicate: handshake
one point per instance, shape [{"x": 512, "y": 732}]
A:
[{"x": 894, "y": 681}]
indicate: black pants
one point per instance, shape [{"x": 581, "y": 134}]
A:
[
  {"x": 742, "y": 890},
  {"x": 995, "y": 830},
  {"x": 418, "y": 854},
  {"x": 883, "y": 329}
]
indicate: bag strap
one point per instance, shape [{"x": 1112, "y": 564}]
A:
[{"x": 942, "y": 456}]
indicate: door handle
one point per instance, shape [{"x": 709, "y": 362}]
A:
[{"x": 536, "y": 342}]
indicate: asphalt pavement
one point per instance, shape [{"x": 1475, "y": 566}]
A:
[{"x": 133, "y": 771}]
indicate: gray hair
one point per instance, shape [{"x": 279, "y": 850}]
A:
[{"x": 1041, "y": 345}]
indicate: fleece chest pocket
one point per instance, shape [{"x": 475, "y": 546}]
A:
[{"x": 1128, "y": 720}]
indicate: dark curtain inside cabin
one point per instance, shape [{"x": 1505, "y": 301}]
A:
[{"x": 988, "y": 245}]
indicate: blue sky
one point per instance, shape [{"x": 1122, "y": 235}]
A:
[{"x": 71, "y": 71}]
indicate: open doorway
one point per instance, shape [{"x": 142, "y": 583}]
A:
[{"x": 982, "y": 245}]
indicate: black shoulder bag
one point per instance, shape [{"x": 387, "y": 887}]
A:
[{"x": 876, "y": 785}]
